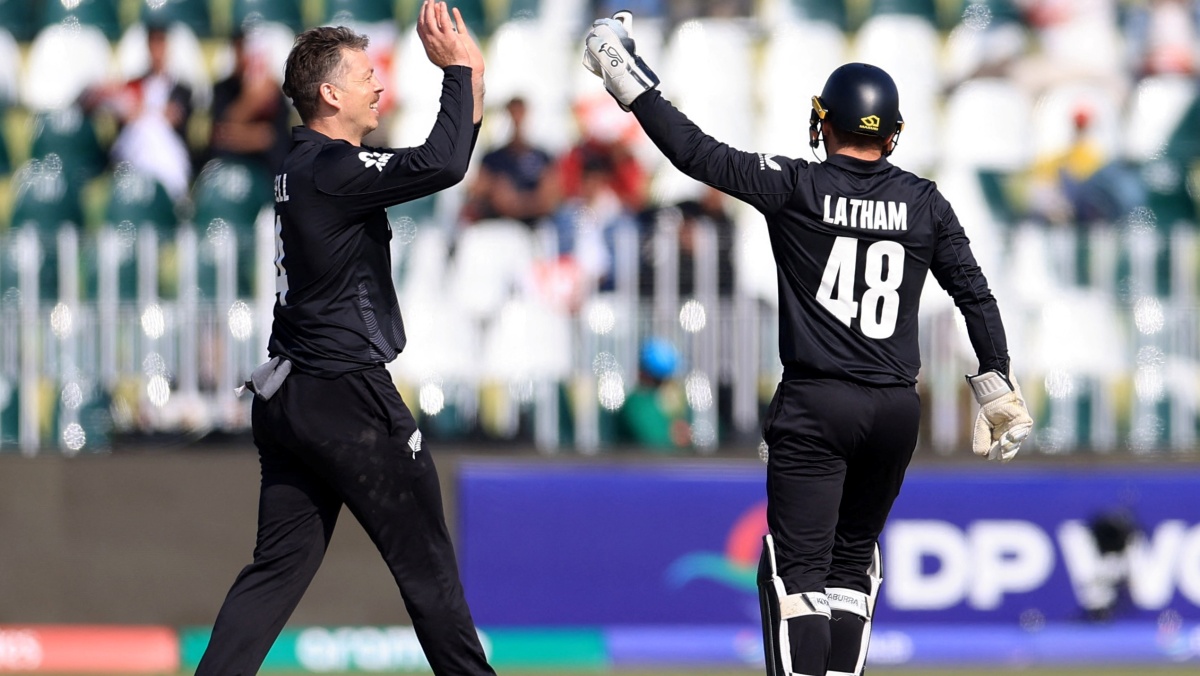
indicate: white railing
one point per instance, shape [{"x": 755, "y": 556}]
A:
[{"x": 1104, "y": 335}]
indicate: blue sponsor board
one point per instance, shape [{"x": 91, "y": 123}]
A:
[
  {"x": 676, "y": 545},
  {"x": 1120, "y": 643}
]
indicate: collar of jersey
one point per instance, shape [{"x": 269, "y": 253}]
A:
[
  {"x": 302, "y": 133},
  {"x": 858, "y": 166}
]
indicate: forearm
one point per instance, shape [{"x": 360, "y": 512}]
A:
[
  {"x": 683, "y": 143},
  {"x": 449, "y": 144},
  {"x": 985, "y": 329},
  {"x": 478, "y": 91}
]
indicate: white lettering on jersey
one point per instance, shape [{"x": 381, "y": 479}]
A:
[
  {"x": 764, "y": 161},
  {"x": 866, "y": 214},
  {"x": 377, "y": 160},
  {"x": 281, "y": 194}
]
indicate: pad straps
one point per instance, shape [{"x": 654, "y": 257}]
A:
[
  {"x": 799, "y": 605},
  {"x": 848, "y": 600}
]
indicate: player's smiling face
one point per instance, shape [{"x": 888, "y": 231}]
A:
[{"x": 361, "y": 91}]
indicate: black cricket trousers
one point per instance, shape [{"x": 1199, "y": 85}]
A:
[
  {"x": 838, "y": 454},
  {"x": 323, "y": 443}
]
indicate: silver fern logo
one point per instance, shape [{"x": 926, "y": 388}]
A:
[
  {"x": 377, "y": 160},
  {"x": 765, "y": 160},
  {"x": 414, "y": 443}
]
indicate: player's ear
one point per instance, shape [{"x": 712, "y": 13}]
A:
[{"x": 330, "y": 95}]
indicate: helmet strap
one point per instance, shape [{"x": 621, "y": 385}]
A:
[
  {"x": 814, "y": 122},
  {"x": 890, "y": 146}
]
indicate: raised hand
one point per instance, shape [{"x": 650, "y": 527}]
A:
[
  {"x": 443, "y": 43},
  {"x": 609, "y": 51},
  {"x": 475, "y": 58}
]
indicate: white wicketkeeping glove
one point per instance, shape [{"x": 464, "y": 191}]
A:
[
  {"x": 609, "y": 53},
  {"x": 1003, "y": 421}
]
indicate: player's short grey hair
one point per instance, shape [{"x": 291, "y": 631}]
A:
[{"x": 316, "y": 58}]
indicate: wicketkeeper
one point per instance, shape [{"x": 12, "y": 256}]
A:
[{"x": 853, "y": 238}]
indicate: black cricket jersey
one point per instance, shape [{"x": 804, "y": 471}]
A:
[
  {"x": 852, "y": 241},
  {"x": 336, "y": 307}
]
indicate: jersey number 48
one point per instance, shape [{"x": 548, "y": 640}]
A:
[{"x": 880, "y": 303}]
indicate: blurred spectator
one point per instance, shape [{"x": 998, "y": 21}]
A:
[
  {"x": 707, "y": 210},
  {"x": 250, "y": 115},
  {"x": 989, "y": 41},
  {"x": 1081, "y": 185},
  {"x": 655, "y": 413},
  {"x": 1077, "y": 40},
  {"x": 587, "y": 221},
  {"x": 1162, "y": 37},
  {"x": 606, "y": 131},
  {"x": 152, "y": 112},
  {"x": 516, "y": 180}
]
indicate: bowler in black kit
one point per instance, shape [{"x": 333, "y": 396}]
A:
[
  {"x": 330, "y": 427},
  {"x": 853, "y": 238}
]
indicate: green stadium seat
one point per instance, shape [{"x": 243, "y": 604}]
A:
[
  {"x": 232, "y": 191},
  {"x": 69, "y": 134},
  {"x": 996, "y": 193},
  {"x": 9, "y": 415},
  {"x": 17, "y": 16},
  {"x": 99, "y": 13},
  {"x": 818, "y": 11},
  {"x": 1169, "y": 196},
  {"x": 358, "y": 11},
  {"x": 419, "y": 210},
  {"x": 5, "y": 158},
  {"x": 925, "y": 9},
  {"x": 46, "y": 202},
  {"x": 286, "y": 12},
  {"x": 192, "y": 13},
  {"x": 45, "y": 198},
  {"x": 141, "y": 201},
  {"x": 230, "y": 194},
  {"x": 1184, "y": 142}
]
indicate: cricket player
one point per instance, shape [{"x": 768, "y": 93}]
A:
[
  {"x": 330, "y": 427},
  {"x": 853, "y": 239}
]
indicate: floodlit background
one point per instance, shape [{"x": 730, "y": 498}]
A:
[{"x": 589, "y": 329}]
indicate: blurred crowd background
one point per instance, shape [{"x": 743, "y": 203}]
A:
[{"x": 576, "y": 292}]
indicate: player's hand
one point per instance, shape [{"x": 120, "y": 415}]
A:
[
  {"x": 438, "y": 32},
  {"x": 622, "y": 25},
  {"x": 609, "y": 52},
  {"x": 1003, "y": 421}
]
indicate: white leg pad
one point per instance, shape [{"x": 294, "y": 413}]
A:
[
  {"x": 861, "y": 604},
  {"x": 777, "y": 608}
]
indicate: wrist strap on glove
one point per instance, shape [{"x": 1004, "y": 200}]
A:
[{"x": 989, "y": 386}]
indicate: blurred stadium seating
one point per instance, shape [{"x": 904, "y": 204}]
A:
[{"x": 1102, "y": 311}]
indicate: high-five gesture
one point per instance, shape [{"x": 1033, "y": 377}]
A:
[{"x": 440, "y": 36}]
